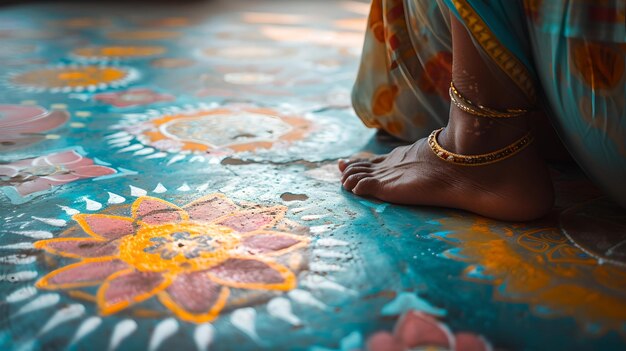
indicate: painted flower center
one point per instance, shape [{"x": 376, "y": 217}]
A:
[
  {"x": 178, "y": 247},
  {"x": 42, "y": 171},
  {"x": 72, "y": 75},
  {"x": 182, "y": 243},
  {"x": 211, "y": 130}
]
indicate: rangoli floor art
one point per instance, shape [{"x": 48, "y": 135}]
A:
[{"x": 168, "y": 181}]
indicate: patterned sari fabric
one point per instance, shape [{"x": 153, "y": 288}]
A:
[{"x": 568, "y": 56}]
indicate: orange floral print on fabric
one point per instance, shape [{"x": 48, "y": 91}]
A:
[
  {"x": 375, "y": 21},
  {"x": 601, "y": 66},
  {"x": 437, "y": 75},
  {"x": 532, "y": 8},
  {"x": 598, "y": 123},
  {"x": 384, "y": 99},
  {"x": 395, "y": 127}
]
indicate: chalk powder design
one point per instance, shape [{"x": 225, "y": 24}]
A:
[
  {"x": 251, "y": 101},
  {"x": 24, "y": 125},
  {"x": 73, "y": 78},
  {"x": 189, "y": 258},
  {"x": 133, "y": 97},
  {"x": 539, "y": 267},
  {"x": 22, "y": 178},
  {"x": 204, "y": 133}
]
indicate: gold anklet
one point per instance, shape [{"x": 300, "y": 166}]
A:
[
  {"x": 478, "y": 110},
  {"x": 477, "y": 160}
]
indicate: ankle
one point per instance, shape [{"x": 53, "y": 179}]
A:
[{"x": 469, "y": 135}]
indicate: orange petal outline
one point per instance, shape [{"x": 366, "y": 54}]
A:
[
  {"x": 185, "y": 315},
  {"x": 183, "y": 214},
  {"x": 281, "y": 211},
  {"x": 44, "y": 283},
  {"x": 302, "y": 241},
  {"x": 214, "y": 196},
  {"x": 289, "y": 282},
  {"x": 107, "y": 309},
  {"x": 81, "y": 219},
  {"x": 43, "y": 245}
]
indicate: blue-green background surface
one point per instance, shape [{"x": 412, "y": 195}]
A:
[{"x": 394, "y": 258}]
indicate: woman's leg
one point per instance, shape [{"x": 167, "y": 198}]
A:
[{"x": 518, "y": 188}]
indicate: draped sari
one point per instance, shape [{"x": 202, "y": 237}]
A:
[{"x": 568, "y": 56}]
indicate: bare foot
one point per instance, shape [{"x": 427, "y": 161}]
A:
[{"x": 516, "y": 189}]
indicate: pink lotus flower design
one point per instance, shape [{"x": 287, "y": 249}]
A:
[
  {"x": 32, "y": 175},
  {"x": 23, "y": 125},
  {"x": 421, "y": 331},
  {"x": 188, "y": 257},
  {"x": 133, "y": 97}
]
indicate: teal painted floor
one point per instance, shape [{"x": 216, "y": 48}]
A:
[{"x": 168, "y": 180}]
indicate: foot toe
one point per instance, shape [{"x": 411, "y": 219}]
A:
[
  {"x": 343, "y": 164},
  {"x": 366, "y": 186},
  {"x": 351, "y": 181},
  {"x": 354, "y": 170},
  {"x": 359, "y": 164}
]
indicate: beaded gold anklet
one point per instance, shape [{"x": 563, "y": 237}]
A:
[
  {"x": 478, "y": 110},
  {"x": 477, "y": 160}
]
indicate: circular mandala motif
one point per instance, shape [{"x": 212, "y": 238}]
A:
[
  {"x": 171, "y": 62},
  {"x": 232, "y": 82},
  {"x": 118, "y": 52},
  {"x": 210, "y": 130},
  {"x": 223, "y": 130},
  {"x": 241, "y": 132},
  {"x": 597, "y": 228},
  {"x": 248, "y": 52},
  {"x": 248, "y": 78},
  {"x": 167, "y": 22},
  {"x": 196, "y": 260},
  {"x": 143, "y": 35},
  {"x": 84, "y": 22},
  {"x": 78, "y": 78},
  {"x": 542, "y": 268},
  {"x": 240, "y": 35}
]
